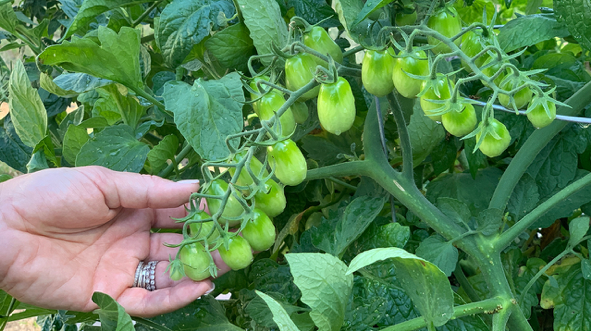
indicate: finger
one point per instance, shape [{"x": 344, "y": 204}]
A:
[
  {"x": 142, "y": 303},
  {"x": 131, "y": 190}
]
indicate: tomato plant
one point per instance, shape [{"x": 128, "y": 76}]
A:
[
  {"x": 395, "y": 221},
  {"x": 336, "y": 106}
]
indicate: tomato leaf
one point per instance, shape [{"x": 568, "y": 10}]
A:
[
  {"x": 455, "y": 209},
  {"x": 324, "y": 285},
  {"x": 526, "y": 273},
  {"x": 347, "y": 11},
  {"x": 426, "y": 284},
  {"x": 204, "y": 314},
  {"x": 207, "y": 112},
  {"x": 577, "y": 229},
  {"x": 576, "y": 14},
  {"x": 572, "y": 310},
  {"x": 116, "y": 58},
  {"x": 489, "y": 221},
  {"x": 265, "y": 23},
  {"x": 524, "y": 198},
  {"x": 26, "y": 108},
  {"x": 76, "y": 83},
  {"x": 440, "y": 252},
  {"x": 74, "y": 139},
  {"x": 232, "y": 46},
  {"x": 314, "y": 11},
  {"x": 369, "y": 7},
  {"x": 115, "y": 148},
  {"x": 13, "y": 151},
  {"x": 268, "y": 276},
  {"x": 112, "y": 315},
  {"x": 356, "y": 217},
  {"x": 164, "y": 151},
  {"x": 280, "y": 316},
  {"x": 530, "y": 30},
  {"x": 185, "y": 23},
  {"x": 91, "y": 9}
]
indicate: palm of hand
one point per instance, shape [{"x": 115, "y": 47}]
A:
[{"x": 72, "y": 232}]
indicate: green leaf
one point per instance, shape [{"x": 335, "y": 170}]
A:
[
  {"x": 444, "y": 155},
  {"x": 489, "y": 221},
  {"x": 381, "y": 236},
  {"x": 454, "y": 209},
  {"x": 347, "y": 11},
  {"x": 314, "y": 11},
  {"x": 112, "y": 315},
  {"x": 26, "y": 108},
  {"x": 428, "y": 286},
  {"x": 530, "y": 30},
  {"x": 261, "y": 313},
  {"x": 91, "y": 9},
  {"x": 440, "y": 252},
  {"x": 185, "y": 23},
  {"x": 205, "y": 314},
  {"x": 526, "y": 273},
  {"x": 533, "y": 6},
  {"x": 356, "y": 217},
  {"x": 115, "y": 148},
  {"x": 369, "y": 7},
  {"x": 12, "y": 150},
  {"x": 576, "y": 14},
  {"x": 567, "y": 206},
  {"x": 116, "y": 58},
  {"x": 573, "y": 311},
  {"x": 476, "y": 160},
  {"x": 126, "y": 105},
  {"x": 475, "y": 193},
  {"x": 473, "y": 13},
  {"x": 207, "y": 112},
  {"x": 577, "y": 229},
  {"x": 232, "y": 46},
  {"x": 586, "y": 268},
  {"x": 76, "y": 83},
  {"x": 280, "y": 316},
  {"x": 324, "y": 285},
  {"x": 425, "y": 134},
  {"x": 329, "y": 149},
  {"x": 74, "y": 139},
  {"x": 268, "y": 276},
  {"x": 524, "y": 198},
  {"x": 265, "y": 23},
  {"x": 8, "y": 19},
  {"x": 164, "y": 151}
]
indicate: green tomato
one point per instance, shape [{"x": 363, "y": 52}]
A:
[
  {"x": 405, "y": 17},
  {"x": 460, "y": 123},
  {"x": 238, "y": 255},
  {"x": 522, "y": 98},
  {"x": 336, "y": 106},
  {"x": 444, "y": 93},
  {"x": 472, "y": 45},
  {"x": 319, "y": 40},
  {"x": 256, "y": 166},
  {"x": 269, "y": 104},
  {"x": 300, "y": 112},
  {"x": 299, "y": 71},
  {"x": 273, "y": 202},
  {"x": 376, "y": 72},
  {"x": 259, "y": 231},
  {"x": 447, "y": 22},
  {"x": 408, "y": 86},
  {"x": 201, "y": 230},
  {"x": 257, "y": 94},
  {"x": 233, "y": 207},
  {"x": 492, "y": 146},
  {"x": 174, "y": 272},
  {"x": 196, "y": 261},
  {"x": 288, "y": 161},
  {"x": 538, "y": 116}
]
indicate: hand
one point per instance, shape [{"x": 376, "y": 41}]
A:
[{"x": 66, "y": 233}]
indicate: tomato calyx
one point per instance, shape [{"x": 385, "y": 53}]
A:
[{"x": 541, "y": 111}]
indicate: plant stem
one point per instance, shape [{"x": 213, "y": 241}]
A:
[
  {"x": 473, "y": 308},
  {"x": 338, "y": 170},
  {"x": 465, "y": 284},
  {"x": 407, "y": 162},
  {"x": 528, "y": 220},
  {"x": 146, "y": 13},
  {"x": 534, "y": 144},
  {"x": 541, "y": 272},
  {"x": 164, "y": 173}
]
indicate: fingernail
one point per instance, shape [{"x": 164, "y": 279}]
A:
[
  {"x": 212, "y": 288},
  {"x": 189, "y": 181}
]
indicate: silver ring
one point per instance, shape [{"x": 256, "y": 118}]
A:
[{"x": 145, "y": 275}]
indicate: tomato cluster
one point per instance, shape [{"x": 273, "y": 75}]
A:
[{"x": 411, "y": 76}]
